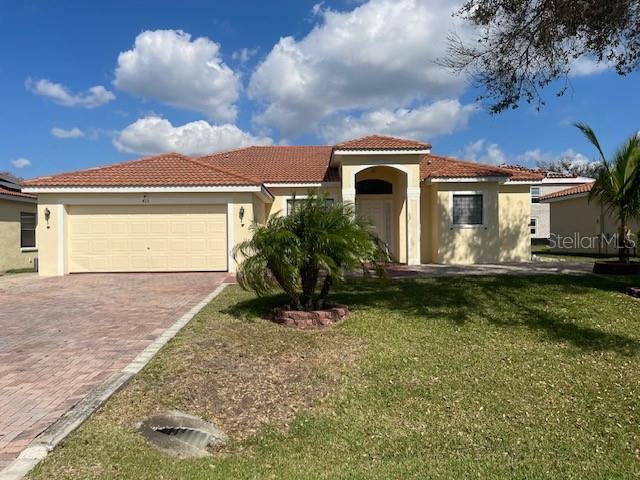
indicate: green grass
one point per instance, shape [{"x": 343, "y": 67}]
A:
[{"x": 487, "y": 377}]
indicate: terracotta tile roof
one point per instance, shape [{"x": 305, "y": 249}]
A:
[
  {"x": 545, "y": 173},
  {"x": 254, "y": 166},
  {"x": 435, "y": 166},
  {"x": 279, "y": 164},
  {"x": 171, "y": 169},
  {"x": 15, "y": 193},
  {"x": 381, "y": 142},
  {"x": 567, "y": 192}
]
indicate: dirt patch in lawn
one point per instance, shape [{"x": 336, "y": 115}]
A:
[{"x": 238, "y": 373}]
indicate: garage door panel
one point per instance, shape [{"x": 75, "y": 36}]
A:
[
  {"x": 147, "y": 238},
  {"x": 178, "y": 227},
  {"x": 119, "y": 228}
]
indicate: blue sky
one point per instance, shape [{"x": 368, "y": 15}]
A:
[{"x": 201, "y": 76}]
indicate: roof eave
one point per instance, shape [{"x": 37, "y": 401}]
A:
[
  {"x": 35, "y": 189},
  {"x": 467, "y": 179},
  {"x": 562, "y": 197},
  {"x": 19, "y": 198}
]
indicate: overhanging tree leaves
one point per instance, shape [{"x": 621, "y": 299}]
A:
[{"x": 522, "y": 46}]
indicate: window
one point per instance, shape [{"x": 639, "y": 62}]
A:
[
  {"x": 293, "y": 203},
  {"x": 374, "y": 187},
  {"x": 533, "y": 225},
  {"x": 535, "y": 194},
  {"x": 27, "y": 230},
  {"x": 467, "y": 209}
]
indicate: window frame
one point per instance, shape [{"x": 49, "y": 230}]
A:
[
  {"x": 533, "y": 225},
  {"x": 35, "y": 236},
  {"x": 483, "y": 197},
  {"x": 287, "y": 198},
  {"x": 535, "y": 197}
]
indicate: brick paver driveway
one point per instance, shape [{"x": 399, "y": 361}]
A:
[{"x": 61, "y": 337}]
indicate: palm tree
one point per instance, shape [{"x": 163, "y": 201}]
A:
[
  {"x": 306, "y": 252},
  {"x": 617, "y": 185}
]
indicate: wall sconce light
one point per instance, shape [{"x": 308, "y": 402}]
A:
[
  {"x": 47, "y": 216},
  {"x": 241, "y": 212}
]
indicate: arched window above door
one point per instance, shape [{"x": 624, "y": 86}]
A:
[{"x": 374, "y": 186}]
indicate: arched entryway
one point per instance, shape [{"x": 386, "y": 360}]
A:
[{"x": 381, "y": 199}]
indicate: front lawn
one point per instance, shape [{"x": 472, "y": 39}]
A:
[{"x": 485, "y": 377}]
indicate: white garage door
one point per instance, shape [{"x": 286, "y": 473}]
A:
[{"x": 147, "y": 238}]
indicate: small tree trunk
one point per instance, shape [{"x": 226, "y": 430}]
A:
[
  {"x": 309, "y": 276},
  {"x": 324, "y": 292},
  {"x": 294, "y": 298},
  {"x": 623, "y": 245}
]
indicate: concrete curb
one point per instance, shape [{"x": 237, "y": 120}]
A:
[{"x": 47, "y": 440}]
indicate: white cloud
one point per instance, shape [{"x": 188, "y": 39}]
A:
[
  {"x": 21, "y": 162},
  {"x": 439, "y": 118},
  {"x": 381, "y": 55},
  {"x": 168, "y": 66},
  {"x": 571, "y": 157},
  {"x": 71, "y": 133},
  {"x": 244, "y": 54},
  {"x": 152, "y": 135},
  {"x": 58, "y": 93},
  {"x": 484, "y": 152},
  {"x": 584, "y": 66}
]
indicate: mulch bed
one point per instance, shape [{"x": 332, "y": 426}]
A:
[
  {"x": 617, "y": 268},
  {"x": 634, "y": 291}
]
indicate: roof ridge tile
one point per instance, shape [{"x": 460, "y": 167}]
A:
[{"x": 224, "y": 170}]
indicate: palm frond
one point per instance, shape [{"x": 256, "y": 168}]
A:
[{"x": 588, "y": 132}]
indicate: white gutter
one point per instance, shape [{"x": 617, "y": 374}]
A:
[
  {"x": 17, "y": 198},
  {"x": 500, "y": 178},
  {"x": 302, "y": 184},
  {"x": 383, "y": 152},
  {"x": 260, "y": 190},
  {"x": 176, "y": 189}
]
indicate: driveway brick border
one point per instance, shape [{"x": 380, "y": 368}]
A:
[{"x": 47, "y": 441}]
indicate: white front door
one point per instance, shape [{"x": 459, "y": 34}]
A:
[{"x": 378, "y": 212}]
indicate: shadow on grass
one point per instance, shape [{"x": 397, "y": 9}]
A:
[{"x": 555, "y": 306}]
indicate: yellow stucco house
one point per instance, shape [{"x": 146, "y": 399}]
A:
[
  {"x": 18, "y": 249},
  {"x": 176, "y": 213},
  {"x": 582, "y": 226}
]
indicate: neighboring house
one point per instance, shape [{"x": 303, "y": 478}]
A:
[
  {"x": 581, "y": 226},
  {"x": 17, "y": 225},
  {"x": 176, "y": 213},
  {"x": 551, "y": 182}
]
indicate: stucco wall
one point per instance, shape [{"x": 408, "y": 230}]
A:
[
  {"x": 462, "y": 245},
  {"x": 503, "y": 237},
  {"x": 11, "y": 256},
  {"x": 541, "y": 212},
  {"x": 514, "y": 211},
  {"x": 429, "y": 223},
  {"x": 281, "y": 194},
  {"x": 52, "y": 239},
  {"x": 576, "y": 225}
]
